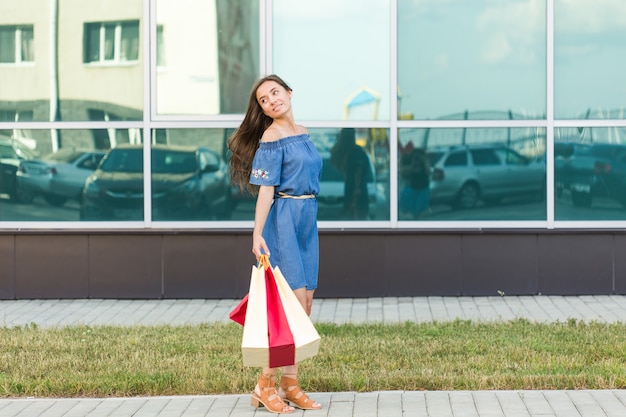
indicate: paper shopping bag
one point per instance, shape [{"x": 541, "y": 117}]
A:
[
  {"x": 238, "y": 314},
  {"x": 277, "y": 332},
  {"x": 305, "y": 336}
]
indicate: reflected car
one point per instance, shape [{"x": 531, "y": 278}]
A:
[
  {"x": 12, "y": 153},
  {"x": 188, "y": 183},
  {"x": 464, "y": 175},
  {"x": 57, "y": 177},
  {"x": 593, "y": 171},
  {"x": 332, "y": 187}
]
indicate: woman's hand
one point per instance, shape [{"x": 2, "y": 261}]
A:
[{"x": 259, "y": 247}]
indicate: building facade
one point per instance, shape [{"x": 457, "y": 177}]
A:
[{"x": 496, "y": 133}]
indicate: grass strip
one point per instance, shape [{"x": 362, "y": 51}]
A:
[{"x": 105, "y": 361}]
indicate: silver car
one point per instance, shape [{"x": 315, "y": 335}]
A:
[
  {"x": 464, "y": 175},
  {"x": 57, "y": 177}
]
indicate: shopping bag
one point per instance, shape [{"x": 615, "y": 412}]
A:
[
  {"x": 277, "y": 331},
  {"x": 305, "y": 336},
  {"x": 238, "y": 314}
]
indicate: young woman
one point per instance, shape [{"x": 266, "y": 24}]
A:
[{"x": 274, "y": 158}]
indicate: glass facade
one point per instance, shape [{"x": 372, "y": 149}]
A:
[
  {"x": 468, "y": 60},
  {"x": 458, "y": 114},
  {"x": 589, "y": 52}
]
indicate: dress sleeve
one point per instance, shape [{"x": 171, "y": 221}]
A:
[{"x": 266, "y": 166}]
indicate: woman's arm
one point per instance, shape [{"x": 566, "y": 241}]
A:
[{"x": 264, "y": 202}]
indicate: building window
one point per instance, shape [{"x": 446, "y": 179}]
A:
[
  {"x": 160, "y": 56},
  {"x": 111, "y": 41},
  {"x": 16, "y": 44}
]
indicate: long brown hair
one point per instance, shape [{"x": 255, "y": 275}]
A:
[{"x": 244, "y": 142}]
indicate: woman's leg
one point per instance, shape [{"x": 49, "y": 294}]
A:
[
  {"x": 265, "y": 393},
  {"x": 306, "y": 299}
]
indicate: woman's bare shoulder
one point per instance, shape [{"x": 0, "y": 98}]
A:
[{"x": 271, "y": 134}]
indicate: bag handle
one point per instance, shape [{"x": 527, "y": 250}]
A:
[{"x": 265, "y": 262}]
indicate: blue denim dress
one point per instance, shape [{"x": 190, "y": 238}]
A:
[{"x": 293, "y": 166}]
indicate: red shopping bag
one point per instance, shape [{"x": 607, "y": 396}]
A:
[
  {"x": 238, "y": 315},
  {"x": 277, "y": 331}
]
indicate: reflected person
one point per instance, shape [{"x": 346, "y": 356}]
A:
[
  {"x": 352, "y": 161},
  {"x": 415, "y": 193}
]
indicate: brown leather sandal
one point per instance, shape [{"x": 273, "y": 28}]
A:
[
  {"x": 292, "y": 393},
  {"x": 269, "y": 396}
]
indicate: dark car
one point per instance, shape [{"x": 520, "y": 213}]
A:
[
  {"x": 464, "y": 175},
  {"x": 188, "y": 183},
  {"x": 593, "y": 171},
  {"x": 57, "y": 177},
  {"x": 12, "y": 153}
]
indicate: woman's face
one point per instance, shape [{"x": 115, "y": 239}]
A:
[{"x": 273, "y": 98}]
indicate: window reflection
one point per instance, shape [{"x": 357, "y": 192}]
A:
[
  {"x": 590, "y": 173},
  {"x": 355, "y": 182},
  {"x": 40, "y": 182},
  {"x": 472, "y": 174},
  {"x": 96, "y": 65},
  {"x": 207, "y": 56},
  {"x": 190, "y": 176},
  {"x": 471, "y": 59},
  {"x": 16, "y": 44},
  {"x": 589, "y": 57},
  {"x": 335, "y": 55},
  {"x": 118, "y": 41}
]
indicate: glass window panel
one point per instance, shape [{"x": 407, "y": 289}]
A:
[
  {"x": 335, "y": 55},
  {"x": 465, "y": 174},
  {"x": 589, "y": 58},
  {"x": 92, "y": 42},
  {"x": 40, "y": 184},
  {"x": 98, "y": 63},
  {"x": 590, "y": 173},
  {"x": 190, "y": 177},
  {"x": 355, "y": 173},
  {"x": 26, "y": 35},
  {"x": 7, "y": 44},
  {"x": 108, "y": 33},
  {"x": 471, "y": 59},
  {"x": 212, "y": 79}
]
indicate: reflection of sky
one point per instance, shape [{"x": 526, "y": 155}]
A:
[
  {"x": 453, "y": 56},
  {"x": 474, "y": 55},
  {"x": 328, "y": 49},
  {"x": 590, "y": 56}
]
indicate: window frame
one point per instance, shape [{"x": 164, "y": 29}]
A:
[
  {"x": 19, "y": 49},
  {"x": 116, "y": 54}
]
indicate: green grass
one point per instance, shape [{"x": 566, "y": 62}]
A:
[{"x": 206, "y": 359}]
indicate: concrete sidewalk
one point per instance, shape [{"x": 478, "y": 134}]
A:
[{"x": 596, "y": 403}]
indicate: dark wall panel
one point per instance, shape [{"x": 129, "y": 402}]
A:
[
  {"x": 571, "y": 264},
  {"x": 197, "y": 264},
  {"x": 7, "y": 267},
  {"x": 127, "y": 266},
  {"x": 423, "y": 264},
  {"x": 201, "y": 266},
  {"x": 620, "y": 264},
  {"x": 493, "y": 263},
  {"x": 51, "y": 266},
  {"x": 351, "y": 266}
]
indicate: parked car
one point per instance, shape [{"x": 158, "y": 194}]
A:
[
  {"x": 12, "y": 153},
  {"x": 464, "y": 175},
  {"x": 57, "y": 177},
  {"x": 332, "y": 187},
  {"x": 187, "y": 183},
  {"x": 593, "y": 171}
]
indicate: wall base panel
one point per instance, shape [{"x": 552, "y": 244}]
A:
[{"x": 209, "y": 264}]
